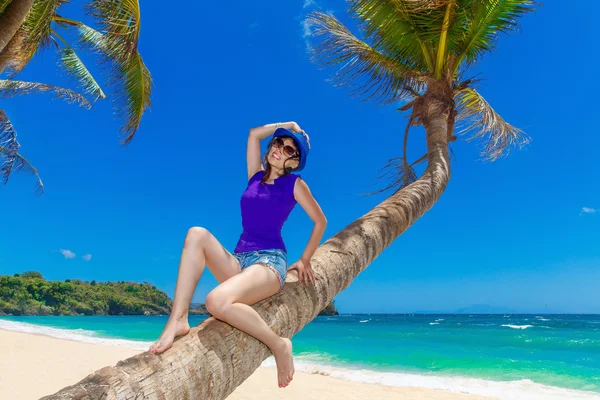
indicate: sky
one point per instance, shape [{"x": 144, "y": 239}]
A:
[{"x": 521, "y": 233}]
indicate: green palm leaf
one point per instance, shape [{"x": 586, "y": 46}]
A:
[
  {"x": 486, "y": 19},
  {"x": 477, "y": 117},
  {"x": 370, "y": 73},
  {"x": 74, "y": 66},
  {"x": 10, "y": 88},
  {"x": 92, "y": 39},
  {"x": 409, "y": 29},
  {"x": 37, "y": 29},
  {"x": 3, "y": 5},
  {"x": 130, "y": 79},
  {"x": 134, "y": 95}
]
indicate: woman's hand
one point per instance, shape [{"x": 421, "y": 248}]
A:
[
  {"x": 305, "y": 271},
  {"x": 306, "y": 136},
  {"x": 295, "y": 127}
]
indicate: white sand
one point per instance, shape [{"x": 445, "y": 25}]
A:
[{"x": 32, "y": 366}]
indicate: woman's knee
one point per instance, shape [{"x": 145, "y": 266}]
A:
[
  {"x": 197, "y": 234},
  {"x": 217, "y": 304}
]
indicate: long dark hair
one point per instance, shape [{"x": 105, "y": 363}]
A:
[{"x": 286, "y": 170}]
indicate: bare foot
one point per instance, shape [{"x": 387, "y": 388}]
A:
[
  {"x": 172, "y": 330},
  {"x": 285, "y": 363}
]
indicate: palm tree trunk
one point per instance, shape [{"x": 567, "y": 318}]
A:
[
  {"x": 214, "y": 358},
  {"x": 11, "y": 51},
  {"x": 11, "y": 20}
]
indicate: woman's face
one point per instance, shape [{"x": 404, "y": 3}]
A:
[{"x": 277, "y": 155}]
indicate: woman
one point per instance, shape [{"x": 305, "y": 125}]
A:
[{"x": 258, "y": 267}]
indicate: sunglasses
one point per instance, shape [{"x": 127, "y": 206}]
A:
[{"x": 288, "y": 150}]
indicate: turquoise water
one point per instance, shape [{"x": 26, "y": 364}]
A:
[{"x": 556, "y": 350}]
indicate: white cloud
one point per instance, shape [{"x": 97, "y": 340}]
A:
[
  {"x": 589, "y": 210},
  {"x": 306, "y": 32},
  {"x": 308, "y": 3},
  {"x": 87, "y": 257},
  {"x": 67, "y": 253}
]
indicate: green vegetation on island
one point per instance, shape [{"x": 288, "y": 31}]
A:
[{"x": 30, "y": 294}]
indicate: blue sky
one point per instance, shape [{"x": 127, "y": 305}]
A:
[{"x": 513, "y": 233}]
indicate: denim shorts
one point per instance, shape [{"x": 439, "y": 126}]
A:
[{"x": 274, "y": 259}]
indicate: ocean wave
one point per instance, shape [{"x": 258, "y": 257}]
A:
[
  {"x": 434, "y": 323},
  {"x": 77, "y": 335},
  {"x": 365, "y": 320},
  {"x": 543, "y": 319},
  {"x": 518, "y": 326},
  {"x": 325, "y": 364},
  {"x": 523, "y": 389}
]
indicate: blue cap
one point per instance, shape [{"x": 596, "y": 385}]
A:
[{"x": 301, "y": 142}]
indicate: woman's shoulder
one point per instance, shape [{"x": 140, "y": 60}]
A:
[{"x": 257, "y": 175}]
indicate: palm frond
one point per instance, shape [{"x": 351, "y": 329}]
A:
[
  {"x": 20, "y": 164},
  {"x": 132, "y": 95},
  {"x": 37, "y": 28},
  {"x": 120, "y": 19},
  {"x": 3, "y": 5},
  {"x": 10, "y": 88},
  {"x": 129, "y": 78},
  {"x": 407, "y": 28},
  {"x": 399, "y": 170},
  {"x": 10, "y": 159},
  {"x": 486, "y": 19},
  {"x": 77, "y": 69},
  {"x": 92, "y": 39},
  {"x": 9, "y": 144},
  {"x": 477, "y": 117},
  {"x": 368, "y": 72},
  {"x": 397, "y": 175}
]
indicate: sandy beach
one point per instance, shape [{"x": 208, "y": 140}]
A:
[{"x": 32, "y": 366}]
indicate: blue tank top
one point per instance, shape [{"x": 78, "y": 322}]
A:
[{"x": 265, "y": 207}]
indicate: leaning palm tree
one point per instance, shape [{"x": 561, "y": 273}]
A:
[
  {"x": 116, "y": 43},
  {"x": 413, "y": 49}
]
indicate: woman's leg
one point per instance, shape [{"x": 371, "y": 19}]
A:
[
  {"x": 200, "y": 248},
  {"x": 230, "y": 302}
]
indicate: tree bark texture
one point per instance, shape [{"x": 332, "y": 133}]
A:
[{"x": 11, "y": 20}]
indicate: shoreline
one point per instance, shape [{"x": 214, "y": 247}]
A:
[
  {"x": 57, "y": 363},
  {"x": 87, "y": 345}
]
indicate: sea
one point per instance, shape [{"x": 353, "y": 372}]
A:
[{"x": 521, "y": 357}]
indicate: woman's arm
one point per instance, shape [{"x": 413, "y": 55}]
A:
[
  {"x": 257, "y": 134},
  {"x": 305, "y": 198}
]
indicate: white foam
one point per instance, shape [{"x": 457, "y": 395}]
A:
[
  {"x": 523, "y": 389},
  {"x": 318, "y": 363},
  {"x": 365, "y": 320},
  {"x": 77, "y": 335},
  {"x": 518, "y": 326},
  {"x": 434, "y": 323}
]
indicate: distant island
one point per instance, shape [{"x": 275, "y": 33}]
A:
[{"x": 30, "y": 294}]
